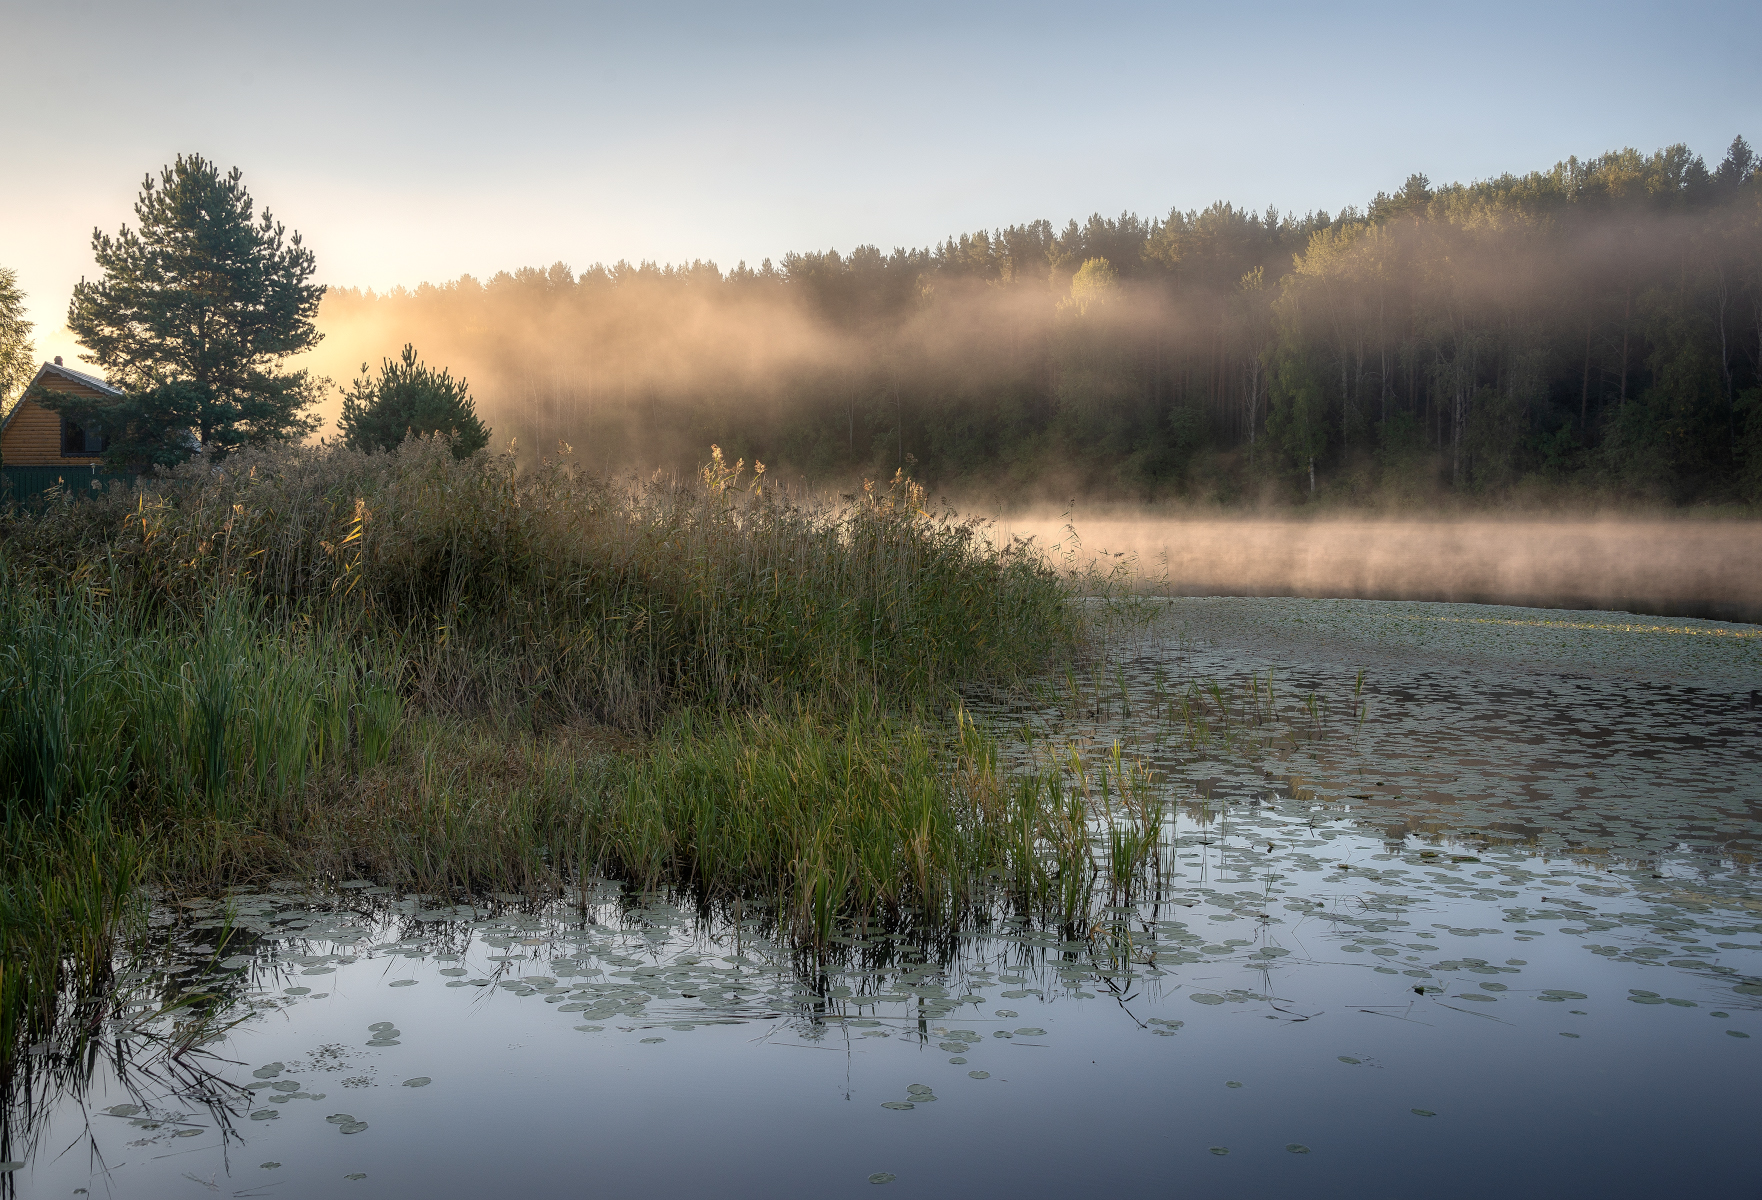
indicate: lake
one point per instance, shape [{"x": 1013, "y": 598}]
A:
[{"x": 1444, "y": 899}]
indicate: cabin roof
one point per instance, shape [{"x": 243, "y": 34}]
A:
[{"x": 51, "y": 369}]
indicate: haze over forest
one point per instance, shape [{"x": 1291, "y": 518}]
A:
[{"x": 1589, "y": 330}]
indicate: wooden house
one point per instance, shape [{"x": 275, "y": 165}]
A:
[{"x": 35, "y": 436}]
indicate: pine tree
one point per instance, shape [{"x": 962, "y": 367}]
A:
[
  {"x": 410, "y": 398},
  {"x": 194, "y": 315},
  {"x": 16, "y": 353}
]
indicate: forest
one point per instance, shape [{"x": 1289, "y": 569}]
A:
[{"x": 1587, "y": 332}]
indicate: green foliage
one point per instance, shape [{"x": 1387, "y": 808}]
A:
[
  {"x": 105, "y": 711},
  {"x": 17, "y": 355},
  {"x": 827, "y": 820},
  {"x": 1297, "y": 415},
  {"x": 112, "y": 721},
  {"x": 199, "y": 307},
  {"x": 410, "y": 399}
]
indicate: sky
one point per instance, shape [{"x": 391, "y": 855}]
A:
[{"x": 421, "y": 141}]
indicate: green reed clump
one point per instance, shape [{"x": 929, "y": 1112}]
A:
[
  {"x": 106, "y": 707},
  {"x": 832, "y": 819},
  {"x": 117, "y": 725},
  {"x": 65, "y": 893}
]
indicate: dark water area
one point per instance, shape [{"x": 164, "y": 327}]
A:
[{"x": 1483, "y": 918}]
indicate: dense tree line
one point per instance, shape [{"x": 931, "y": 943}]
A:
[{"x": 1596, "y": 326}]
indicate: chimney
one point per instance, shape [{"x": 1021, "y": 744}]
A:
[{"x": 58, "y": 360}]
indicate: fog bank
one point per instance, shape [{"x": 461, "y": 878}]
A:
[{"x": 1660, "y": 567}]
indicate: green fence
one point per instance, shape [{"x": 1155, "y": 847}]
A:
[{"x": 26, "y": 485}]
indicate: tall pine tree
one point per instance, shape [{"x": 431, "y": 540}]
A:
[{"x": 194, "y": 315}]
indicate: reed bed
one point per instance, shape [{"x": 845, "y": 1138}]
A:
[
  {"x": 563, "y": 596},
  {"x": 456, "y": 677}
]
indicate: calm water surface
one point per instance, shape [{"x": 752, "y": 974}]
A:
[{"x": 1483, "y": 920}]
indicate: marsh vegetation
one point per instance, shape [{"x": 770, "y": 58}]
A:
[{"x": 451, "y": 676}]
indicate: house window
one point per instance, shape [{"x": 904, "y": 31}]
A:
[{"x": 80, "y": 441}]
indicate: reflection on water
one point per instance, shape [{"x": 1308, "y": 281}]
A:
[{"x": 1492, "y": 903}]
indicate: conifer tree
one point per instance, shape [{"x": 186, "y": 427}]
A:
[
  {"x": 410, "y": 397},
  {"x": 194, "y": 315},
  {"x": 16, "y": 352}
]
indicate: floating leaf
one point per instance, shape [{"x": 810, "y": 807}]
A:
[
  {"x": 882, "y": 1177},
  {"x": 1296, "y": 1148},
  {"x": 1422, "y": 1112},
  {"x": 1205, "y": 998},
  {"x": 651, "y": 1040},
  {"x": 1232, "y": 1083},
  {"x": 353, "y": 1127},
  {"x": 265, "y": 1114},
  {"x": 978, "y": 1074},
  {"x": 1220, "y": 1151},
  {"x": 402, "y": 983},
  {"x": 897, "y": 1105},
  {"x": 1353, "y": 1061},
  {"x": 419, "y": 1081}
]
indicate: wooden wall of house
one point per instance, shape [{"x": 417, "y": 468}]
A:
[{"x": 33, "y": 434}]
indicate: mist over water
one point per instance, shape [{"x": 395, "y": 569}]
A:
[{"x": 1652, "y": 566}]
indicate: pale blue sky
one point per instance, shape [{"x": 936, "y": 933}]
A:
[{"x": 420, "y": 141}]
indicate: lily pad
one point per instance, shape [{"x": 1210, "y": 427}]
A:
[
  {"x": 352, "y": 1127},
  {"x": 897, "y": 1105},
  {"x": 978, "y": 1074},
  {"x": 1220, "y": 1151},
  {"x": 882, "y": 1177},
  {"x": 1296, "y": 1148},
  {"x": 402, "y": 983},
  {"x": 1205, "y": 998},
  {"x": 1422, "y": 1112},
  {"x": 265, "y": 1114},
  {"x": 419, "y": 1081}
]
